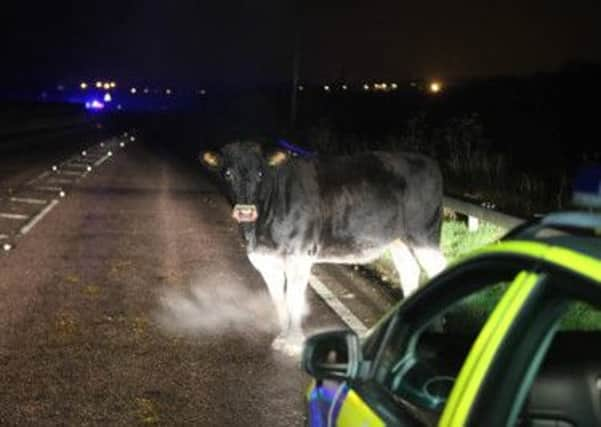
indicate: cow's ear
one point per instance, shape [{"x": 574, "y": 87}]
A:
[
  {"x": 210, "y": 159},
  {"x": 277, "y": 158}
]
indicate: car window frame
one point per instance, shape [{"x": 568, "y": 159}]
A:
[{"x": 415, "y": 311}]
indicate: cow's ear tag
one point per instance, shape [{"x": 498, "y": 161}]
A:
[
  {"x": 210, "y": 159},
  {"x": 276, "y": 159}
]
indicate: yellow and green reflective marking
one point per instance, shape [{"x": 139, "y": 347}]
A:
[
  {"x": 355, "y": 412},
  {"x": 485, "y": 347}
]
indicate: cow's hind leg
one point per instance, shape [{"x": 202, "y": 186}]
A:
[
  {"x": 406, "y": 265},
  {"x": 431, "y": 259},
  {"x": 272, "y": 268}
]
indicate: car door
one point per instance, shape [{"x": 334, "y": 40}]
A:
[{"x": 416, "y": 365}]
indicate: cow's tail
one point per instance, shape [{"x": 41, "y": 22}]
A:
[{"x": 434, "y": 226}]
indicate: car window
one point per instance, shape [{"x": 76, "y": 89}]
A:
[
  {"x": 420, "y": 362},
  {"x": 581, "y": 316},
  {"x": 567, "y": 387}
]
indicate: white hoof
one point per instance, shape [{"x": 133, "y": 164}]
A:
[{"x": 290, "y": 345}]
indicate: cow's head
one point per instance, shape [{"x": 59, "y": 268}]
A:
[{"x": 247, "y": 171}]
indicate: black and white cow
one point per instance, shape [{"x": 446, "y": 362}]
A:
[{"x": 295, "y": 212}]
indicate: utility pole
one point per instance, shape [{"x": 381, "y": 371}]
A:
[{"x": 295, "y": 66}]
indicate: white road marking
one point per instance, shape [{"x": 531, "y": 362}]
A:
[
  {"x": 60, "y": 181},
  {"x": 38, "y": 178},
  {"x": 339, "y": 308},
  {"x": 27, "y": 227},
  {"x": 48, "y": 188},
  {"x": 77, "y": 165},
  {"x": 103, "y": 159},
  {"x": 28, "y": 200},
  {"x": 13, "y": 216}
]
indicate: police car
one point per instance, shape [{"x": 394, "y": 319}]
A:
[{"x": 511, "y": 335}]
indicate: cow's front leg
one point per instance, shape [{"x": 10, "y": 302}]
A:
[
  {"x": 272, "y": 268},
  {"x": 298, "y": 270}
]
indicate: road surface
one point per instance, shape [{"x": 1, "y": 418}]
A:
[{"x": 132, "y": 302}]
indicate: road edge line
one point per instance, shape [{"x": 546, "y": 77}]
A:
[{"x": 337, "y": 306}]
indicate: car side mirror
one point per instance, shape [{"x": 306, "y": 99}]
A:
[{"x": 333, "y": 355}]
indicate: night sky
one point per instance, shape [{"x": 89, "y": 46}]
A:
[{"x": 187, "y": 42}]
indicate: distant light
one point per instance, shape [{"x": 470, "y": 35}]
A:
[
  {"x": 393, "y": 86},
  {"x": 7, "y": 247},
  {"x": 94, "y": 105},
  {"x": 384, "y": 86},
  {"x": 413, "y": 84},
  {"x": 365, "y": 86},
  {"x": 132, "y": 138},
  {"x": 84, "y": 153},
  {"x": 107, "y": 97},
  {"x": 133, "y": 90},
  {"x": 83, "y": 85},
  {"x": 326, "y": 88},
  {"x": 168, "y": 91},
  {"x": 62, "y": 194},
  {"x": 344, "y": 87},
  {"x": 146, "y": 90},
  {"x": 110, "y": 153},
  {"x": 106, "y": 85},
  {"x": 125, "y": 134},
  {"x": 89, "y": 168},
  {"x": 119, "y": 107},
  {"x": 54, "y": 168},
  {"x": 113, "y": 85},
  {"x": 98, "y": 84},
  {"x": 301, "y": 88},
  {"x": 60, "y": 88},
  {"x": 203, "y": 92},
  {"x": 122, "y": 144},
  {"x": 435, "y": 87}
]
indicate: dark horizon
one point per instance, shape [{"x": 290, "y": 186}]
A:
[{"x": 242, "y": 44}]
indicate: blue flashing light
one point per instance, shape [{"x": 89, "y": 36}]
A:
[
  {"x": 94, "y": 104},
  {"x": 302, "y": 152},
  {"x": 587, "y": 188}
]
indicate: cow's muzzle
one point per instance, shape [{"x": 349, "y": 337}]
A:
[{"x": 245, "y": 213}]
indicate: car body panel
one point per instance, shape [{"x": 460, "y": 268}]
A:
[
  {"x": 356, "y": 413},
  {"x": 325, "y": 399},
  {"x": 541, "y": 257}
]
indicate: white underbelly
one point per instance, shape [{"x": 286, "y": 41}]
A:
[{"x": 355, "y": 258}]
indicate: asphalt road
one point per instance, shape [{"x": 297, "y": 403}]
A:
[{"x": 132, "y": 302}]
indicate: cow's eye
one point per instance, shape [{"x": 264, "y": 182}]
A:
[{"x": 227, "y": 174}]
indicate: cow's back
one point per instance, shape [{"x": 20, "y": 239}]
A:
[
  {"x": 371, "y": 199},
  {"x": 351, "y": 207}
]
